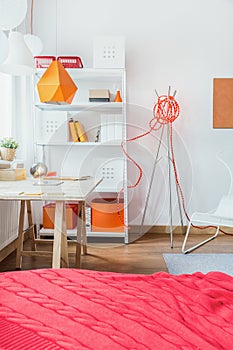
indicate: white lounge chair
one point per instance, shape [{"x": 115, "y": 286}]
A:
[{"x": 222, "y": 216}]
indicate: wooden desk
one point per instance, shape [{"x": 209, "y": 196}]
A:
[{"x": 25, "y": 191}]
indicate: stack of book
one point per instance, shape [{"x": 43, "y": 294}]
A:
[
  {"x": 11, "y": 164},
  {"x": 12, "y": 170},
  {"x": 77, "y": 133}
]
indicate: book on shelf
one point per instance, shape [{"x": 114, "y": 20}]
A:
[
  {"x": 99, "y": 95},
  {"x": 81, "y": 132},
  {"x": 72, "y": 129},
  {"x": 77, "y": 131}
]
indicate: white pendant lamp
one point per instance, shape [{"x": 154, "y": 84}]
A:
[
  {"x": 20, "y": 60},
  {"x": 12, "y": 13},
  {"x": 4, "y": 46},
  {"x": 34, "y": 44}
]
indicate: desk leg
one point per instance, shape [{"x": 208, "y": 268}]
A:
[
  {"x": 78, "y": 243},
  {"x": 64, "y": 244},
  {"x": 83, "y": 231},
  {"x": 30, "y": 224},
  {"x": 60, "y": 238},
  {"x": 20, "y": 236}
]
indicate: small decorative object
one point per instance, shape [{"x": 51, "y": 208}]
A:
[
  {"x": 44, "y": 61},
  {"x": 8, "y": 148},
  {"x": 56, "y": 85},
  {"x": 38, "y": 170},
  {"x": 98, "y": 135},
  {"x": 99, "y": 95},
  {"x": 118, "y": 97},
  {"x": 70, "y": 61},
  {"x": 109, "y": 52}
]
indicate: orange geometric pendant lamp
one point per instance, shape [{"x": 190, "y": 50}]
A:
[{"x": 56, "y": 85}]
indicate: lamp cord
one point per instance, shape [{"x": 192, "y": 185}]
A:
[
  {"x": 31, "y": 16},
  {"x": 56, "y": 24}
]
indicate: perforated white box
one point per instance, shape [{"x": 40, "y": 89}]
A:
[
  {"x": 109, "y": 52},
  {"x": 111, "y": 171},
  {"x": 51, "y": 127}
]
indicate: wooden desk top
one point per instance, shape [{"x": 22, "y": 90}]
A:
[{"x": 66, "y": 191}]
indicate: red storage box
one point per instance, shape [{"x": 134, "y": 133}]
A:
[
  {"x": 49, "y": 215},
  {"x": 107, "y": 215},
  {"x": 44, "y": 61},
  {"x": 70, "y": 61}
]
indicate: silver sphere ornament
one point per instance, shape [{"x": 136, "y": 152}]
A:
[{"x": 38, "y": 170}]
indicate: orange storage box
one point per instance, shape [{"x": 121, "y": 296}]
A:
[
  {"x": 107, "y": 215},
  {"x": 71, "y": 215}
]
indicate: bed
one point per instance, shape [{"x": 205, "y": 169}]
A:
[{"x": 80, "y": 309}]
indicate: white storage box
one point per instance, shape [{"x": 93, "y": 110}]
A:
[
  {"x": 109, "y": 52},
  {"x": 51, "y": 127}
]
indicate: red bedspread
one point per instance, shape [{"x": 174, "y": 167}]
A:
[{"x": 77, "y": 309}]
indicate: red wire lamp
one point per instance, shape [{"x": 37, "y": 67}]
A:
[{"x": 165, "y": 111}]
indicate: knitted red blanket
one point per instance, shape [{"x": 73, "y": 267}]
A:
[{"x": 79, "y": 309}]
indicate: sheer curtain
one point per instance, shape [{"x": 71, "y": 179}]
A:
[
  {"x": 9, "y": 211},
  {"x": 22, "y": 118},
  {"x": 16, "y": 116},
  {"x": 5, "y": 105}
]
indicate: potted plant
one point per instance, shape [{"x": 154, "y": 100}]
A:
[{"x": 8, "y": 148}]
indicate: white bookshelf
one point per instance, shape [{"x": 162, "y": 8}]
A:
[{"x": 54, "y": 144}]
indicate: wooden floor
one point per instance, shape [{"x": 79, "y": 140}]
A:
[{"x": 143, "y": 256}]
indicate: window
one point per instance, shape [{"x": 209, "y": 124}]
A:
[{"x": 5, "y": 105}]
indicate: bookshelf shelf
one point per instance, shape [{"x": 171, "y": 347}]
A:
[
  {"x": 80, "y": 144},
  {"x": 84, "y": 107},
  {"x": 73, "y": 233},
  {"x": 91, "y": 74},
  {"x": 56, "y": 136}
]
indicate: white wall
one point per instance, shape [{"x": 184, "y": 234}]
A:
[{"x": 183, "y": 43}]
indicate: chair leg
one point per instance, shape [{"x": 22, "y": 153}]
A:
[
  {"x": 20, "y": 236},
  {"x": 81, "y": 242},
  {"x": 30, "y": 224},
  {"x": 199, "y": 244},
  {"x": 84, "y": 234},
  {"x": 64, "y": 243},
  {"x": 79, "y": 237}
]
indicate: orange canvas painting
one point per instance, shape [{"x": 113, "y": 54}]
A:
[{"x": 223, "y": 103}]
